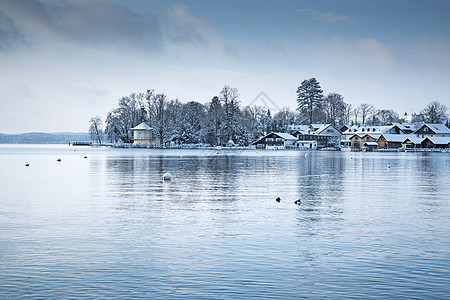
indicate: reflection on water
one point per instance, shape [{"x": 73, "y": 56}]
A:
[{"x": 110, "y": 227}]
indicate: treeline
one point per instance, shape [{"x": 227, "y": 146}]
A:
[
  {"x": 220, "y": 121},
  {"x": 223, "y": 121}
]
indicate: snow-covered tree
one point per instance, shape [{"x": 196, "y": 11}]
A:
[
  {"x": 434, "y": 111},
  {"x": 214, "y": 121},
  {"x": 251, "y": 121},
  {"x": 334, "y": 108},
  {"x": 387, "y": 116},
  {"x": 364, "y": 111},
  {"x": 230, "y": 101},
  {"x": 282, "y": 119},
  {"x": 160, "y": 116},
  {"x": 309, "y": 97},
  {"x": 96, "y": 129},
  {"x": 116, "y": 129}
]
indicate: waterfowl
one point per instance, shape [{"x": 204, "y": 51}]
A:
[
  {"x": 278, "y": 199},
  {"x": 167, "y": 176},
  {"x": 298, "y": 202}
]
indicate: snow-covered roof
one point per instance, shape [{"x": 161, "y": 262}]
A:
[
  {"x": 439, "y": 140},
  {"x": 375, "y": 136},
  {"x": 414, "y": 139},
  {"x": 325, "y": 126},
  {"x": 371, "y": 143},
  {"x": 370, "y": 128},
  {"x": 399, "y": 138},
  {"x": 437, "y": 128},
  {"x": 285, "y": 136},
  {"x": 142, "y": 126},
  {"x": 298, "y": 127},
  {"x": 316, "y": 126}
]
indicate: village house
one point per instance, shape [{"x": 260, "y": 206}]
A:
[
  {"x": 276, "y": 140},
  {"x": 432, "y": 130},
  {"x": 436, "y": 142},
  {"x": 364, "y": 141},
  {"x": 319, "y": 141},
  {"x": 143, "y": 136},
  {"x": 307, "y": 145},
  {"x": 392, "y": 141},
  {"x": 332, "y": 134},
  {"x": 317, "y": 136}
]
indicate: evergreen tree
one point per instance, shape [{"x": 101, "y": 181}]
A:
[{"x": 309, "y": 97}]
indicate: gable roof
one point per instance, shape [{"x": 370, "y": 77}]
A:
[
  {"x": 362, "y": 135},
  {"x": 142, "y": 126},
  {"x": 316, "y": 127},
  {"x": 413, "y": 139},
  {"x": 298, "y": 127},
  {"x": 438, "y": 140},
  {"x": 285, "y": 136},
  {"x": 396, "y": 138},
  {"x": 377, "y": 129},
  {"x": 437, "y": 128},
  {"x": 325, "y": 126}
]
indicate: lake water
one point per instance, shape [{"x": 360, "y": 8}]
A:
[{"x": 107, "y": 226}]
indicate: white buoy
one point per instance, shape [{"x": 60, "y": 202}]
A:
[{"x": 167, "y": 176}]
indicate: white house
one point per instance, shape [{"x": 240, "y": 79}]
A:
[
  {"x": 333, "y": 134},
  {"x": 143, "y": 136}
]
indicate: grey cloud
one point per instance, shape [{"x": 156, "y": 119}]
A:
[
  {"x": 187, "y": 34},
  {"x": 185, "y": 28},
  {"x": 88, "y": 22},
  {"x": 10, "y": 35}
]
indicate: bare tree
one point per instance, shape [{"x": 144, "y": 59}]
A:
[
  {"x": 96, "y": 129},
  {"x": 364, "y": 110},
  {"x": 334, "y": 107},
  {"x": 387, "y": 116},
  {"x": 372, "y": 116},
  {"x": 159, "y": 115},
  {"x": 434, "y": 111},
  {"x": 347, "y": 114},
  {"x": 283, "y": 118},
  {"x": 355, "y": 113},
  {"x": 230, "y": 99}
]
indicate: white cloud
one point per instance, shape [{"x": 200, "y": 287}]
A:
[{"x": 323, "y": 16}]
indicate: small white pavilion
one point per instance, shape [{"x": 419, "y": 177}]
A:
[{"x": 143, "y": 135}]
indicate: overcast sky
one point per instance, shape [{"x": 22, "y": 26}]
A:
[{"x": 63, "y": 62}]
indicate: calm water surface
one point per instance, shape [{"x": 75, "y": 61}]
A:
[{"x": 108, "y": 226}]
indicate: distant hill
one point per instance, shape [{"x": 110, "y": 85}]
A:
[{"x": 44, "y": 138}]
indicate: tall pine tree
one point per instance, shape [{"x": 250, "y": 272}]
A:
[{"x": 309, "y": 97}]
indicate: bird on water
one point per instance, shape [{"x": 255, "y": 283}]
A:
[
  {"x": 278, "y": 199},
  {"x": 167, "y": 176}
]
